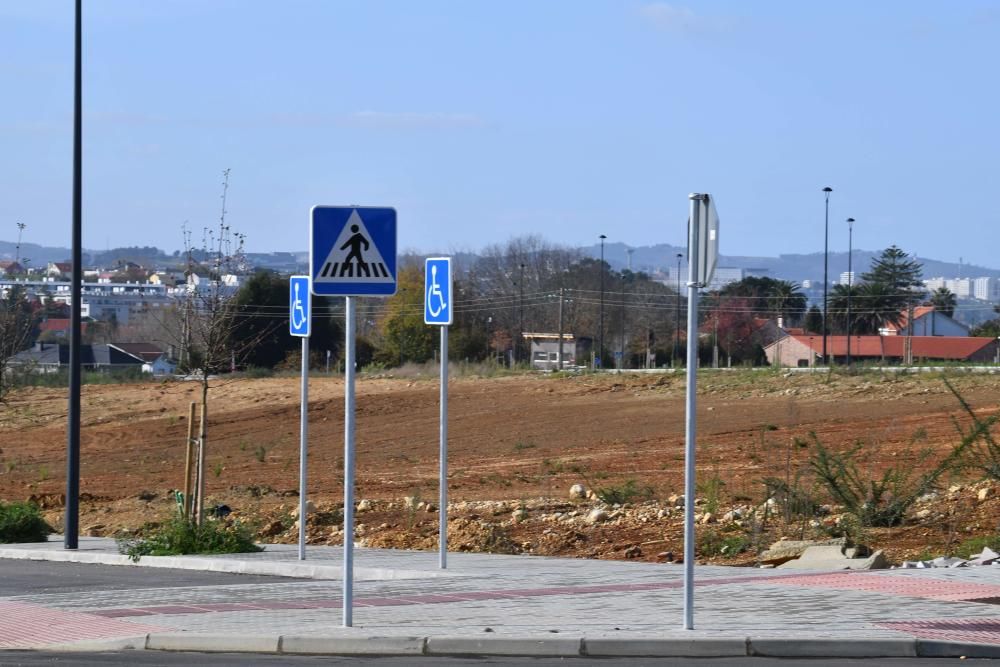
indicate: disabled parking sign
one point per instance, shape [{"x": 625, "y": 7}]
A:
[
  {"x": 437, "y": 291},
  {"x": 352, "y": 251},
  {"x": 299, "y": 305}
]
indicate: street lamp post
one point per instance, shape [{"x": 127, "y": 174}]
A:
[
  {"x": 600, "y": 337},
  {"x": 677, "y": 323},
  {"x": 850, "y": 283},
  {"x": 826, "y": 263}
]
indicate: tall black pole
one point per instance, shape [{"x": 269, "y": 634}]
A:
[
  {"x": 850, "y": 283},
  {"x": 520, "y": 284},
  {"x": 677, "y": 324},
  {"x": 826, "y": 257},
  {"x": 71, "y": 520},
  {"x": 600, "y": 338}
]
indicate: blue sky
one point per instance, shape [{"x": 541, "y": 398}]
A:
[{"x": 480, "y": 121}]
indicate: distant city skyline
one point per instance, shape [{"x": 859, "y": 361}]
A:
[{"x": 480, "y": 123}]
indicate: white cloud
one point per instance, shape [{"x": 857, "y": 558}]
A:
[
  {"x": 684, "y": 20},
  {"x": 669, "y": 17}
]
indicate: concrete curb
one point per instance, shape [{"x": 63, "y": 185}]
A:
[
  {"x": 354, "y": 645},
  {"x": 294, "y": 569},
  {"x": 696, "y": 647},
  {"x": 562, "y": 647},
  {"x": 833, "y": 647},
  {"x": 542, "y": 646}
]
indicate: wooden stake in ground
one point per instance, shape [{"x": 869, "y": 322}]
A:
[
  {"x": 202, "y": 437},
  {"x": 186, "y": 509}
]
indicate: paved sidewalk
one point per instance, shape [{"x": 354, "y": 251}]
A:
[{"x": 512, "y": 604}]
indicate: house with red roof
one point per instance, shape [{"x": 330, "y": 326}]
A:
[
  {"x": 927, "y": 321},
  {"x": 807, "y": 350}
]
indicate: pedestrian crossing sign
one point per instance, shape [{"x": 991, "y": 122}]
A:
[{"x": 352, "y": 251}]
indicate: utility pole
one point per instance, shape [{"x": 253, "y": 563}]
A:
[
  {"x": 621, "y": 345},
  {"x": 677, "y": 324},
  {"x": 560, "y": 328},
  {"x": 520, "y": 338},
  {"x": 600, "y": 344},
  {"x": 826, "y": 280},
  {"x": 17, "y": 251}
]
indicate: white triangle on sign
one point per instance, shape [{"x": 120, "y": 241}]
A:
[{"x": 354, "y": 258}]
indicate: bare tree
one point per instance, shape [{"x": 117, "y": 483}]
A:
[
  {"x": 17, "y": 321},
  {"x": 203, "y": 326}
]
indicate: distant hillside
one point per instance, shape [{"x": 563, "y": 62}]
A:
[
  {"x": 660, "y": 257},
  {"x": 786, "y": 267}
]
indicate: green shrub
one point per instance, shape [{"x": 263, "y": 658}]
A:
[
  {"x": 975, "y": 545},
  {"x": 623, "y": 493},
  {"x": 879, "y": 501},
  {"x": 22, "y": 522},
  {"x": 712, "y": 543},
  {"x": 180, "y": 536}
]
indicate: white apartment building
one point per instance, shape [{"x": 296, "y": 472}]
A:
[
  {"x": 986, "y": 289},
  {"x": 848, "y": 278},
  {"x": 963, "y": 288}
]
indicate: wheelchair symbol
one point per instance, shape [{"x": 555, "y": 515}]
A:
[
  {"x": 435, "y": 291},
  {"x": 299, "y": 318}
]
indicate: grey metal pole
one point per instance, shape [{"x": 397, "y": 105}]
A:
[
  {"x": 600, "y": 345},
  {"x": 348, "y": 462},
  {"x": 303, "y": 447},
  {"x": 826, "y": 279},
  {"x": 71, "y": 517},
  {"x": 850, "y": 283},
  {"x": 560, "y": 328},
  {"x": 689, "y": 422},
  {"x": 443, "y": 484}
]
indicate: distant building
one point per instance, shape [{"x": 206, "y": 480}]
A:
[
  {"x": 723, "y": 276},
  {"x": 847, "y": 278},
  {"x": 544, "y": 349},
  {"x": 986, "y": 289},
  {"x": 50, "y": 358},
  {"x": 10, "y": 267},
  {"x": 807, "y": 350},
  {"x": 927, "y": 321},
  {"x": 963, "y": 288}
]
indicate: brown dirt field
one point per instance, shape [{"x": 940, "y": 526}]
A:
[{"x": 515, "y": 438}]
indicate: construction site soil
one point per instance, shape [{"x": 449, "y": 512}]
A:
[{"x": 517, "y": 444}]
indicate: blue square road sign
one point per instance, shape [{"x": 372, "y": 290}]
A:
[
  {"x": 438, "y": 306},
  {"x": 352, "y": 251},
  {"x": 299, "y": 306}
]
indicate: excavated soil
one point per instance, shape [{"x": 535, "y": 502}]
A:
[{"x": 515, "y": 442}]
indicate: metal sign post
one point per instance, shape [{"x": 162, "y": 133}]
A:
[
  {"x": 703, "y": 249},
  {"x": 299, "y": 324},
  {"x": 352, "y": 252},
  {"x": 438, "y": 310}
]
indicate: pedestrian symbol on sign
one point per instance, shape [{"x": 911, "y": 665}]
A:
[{"x": 354, "y": 258}]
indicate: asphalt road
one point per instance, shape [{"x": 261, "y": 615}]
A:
[
  {"x": 25, "y": 577},
  {"x": 12, "y": 659}
]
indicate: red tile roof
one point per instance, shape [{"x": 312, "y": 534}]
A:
[{"x": 925, "y": 347}]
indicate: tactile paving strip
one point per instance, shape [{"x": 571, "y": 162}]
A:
[
  {"x": 25, "y": 625},
  {"x": 914, "y": 587},
  {"x": 980, "y": 631}
]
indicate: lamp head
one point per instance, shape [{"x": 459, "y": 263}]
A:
[{"x": 827, "y": 189}]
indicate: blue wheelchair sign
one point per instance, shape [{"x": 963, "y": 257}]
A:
[
  {"x": 437, "y": 291},
  {"x": 299, "y": 305}
]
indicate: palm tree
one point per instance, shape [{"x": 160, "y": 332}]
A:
[
  {"x": 787, "y": 301},
  {"x": 944, "y": 301},
  {"x": 873, "y": 306}
]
